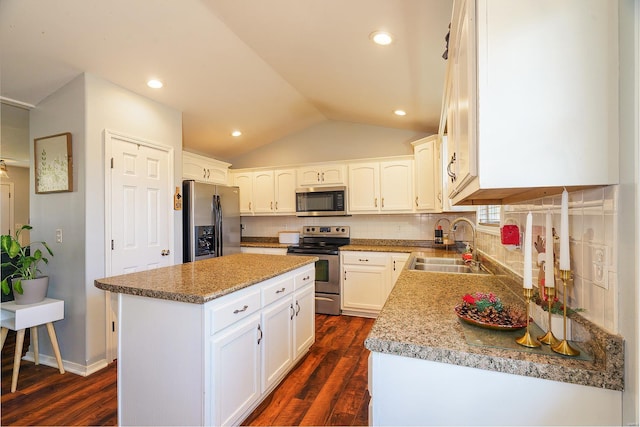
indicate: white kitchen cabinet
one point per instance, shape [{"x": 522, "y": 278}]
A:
[
  {"x": 204, "y": 169},
  {"x": 379, "y": 187},
  {"x": 235, "y": 359},
  {"x": 398, "y": 261},
  {"x": 328, "y": 174},
  {"x": 530, "y": 115},
  {"x": 365, "y": 282},
  {"x": 407, "y": 391},
  {"x": 447, "y": 205},
  {"x": 428, "y": 190},
  {"x": 266, "y": 192},
  {"x": 219, "y": 347}
]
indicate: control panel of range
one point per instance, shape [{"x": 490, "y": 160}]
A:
[{"x": 319, "y": 230}]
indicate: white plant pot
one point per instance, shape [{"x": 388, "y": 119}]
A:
[
  {"x": 35, "y": 290},
  {"x": 541, "y": 318}
]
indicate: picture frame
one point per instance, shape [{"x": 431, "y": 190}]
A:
[{"x": 53, "y": 163}]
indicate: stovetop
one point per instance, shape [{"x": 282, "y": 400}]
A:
[{"x": 321, "y": 240}]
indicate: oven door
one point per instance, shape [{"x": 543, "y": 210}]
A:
[{"x": 327, "y": 272}]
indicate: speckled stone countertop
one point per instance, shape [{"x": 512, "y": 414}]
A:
[
  {"x": 418, "y": 321},
  {"x": 202, "y": 281}
]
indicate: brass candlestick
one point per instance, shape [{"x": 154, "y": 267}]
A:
[
  {"x": 563, "y": 346},
  {"x": 549, "y": 338},
  {"x": 526, "y": 340}
]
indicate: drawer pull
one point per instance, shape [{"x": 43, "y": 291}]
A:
[
  {"x": 279, "y": 291},
  {"x": 297, "y": 308},
  {"x": 259, "y": 330},
  {"x": 292, "y": 311},
  {"x": 236, "y": 311},
  {"x": 363, "y": 260}
]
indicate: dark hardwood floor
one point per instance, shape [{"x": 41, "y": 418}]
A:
[{"x": 328, "y": 387}]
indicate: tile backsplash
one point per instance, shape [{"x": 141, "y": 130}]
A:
[
  {"x": 592, "y": 235},
  {"x": 592, "y": 232}
]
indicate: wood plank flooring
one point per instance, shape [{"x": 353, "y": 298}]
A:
[{"x": 328, "y": 387}]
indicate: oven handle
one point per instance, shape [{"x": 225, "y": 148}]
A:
[{"x": 323, "y": 299}]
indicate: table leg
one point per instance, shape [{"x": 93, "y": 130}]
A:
[
  {"x": 16, "y": 359},
  {"x": 5, "y": 331},
  {"x": 34, "y": 341},
  {"x": 54, "y": 343}
]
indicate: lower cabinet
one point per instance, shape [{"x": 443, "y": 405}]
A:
[
  {"x": 367, "y": 280},
  {"x": 212, "y": 363}
]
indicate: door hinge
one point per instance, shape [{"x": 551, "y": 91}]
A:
[
  {"x": 112, "y": 163},
  {"x": 112, "y": 245}
]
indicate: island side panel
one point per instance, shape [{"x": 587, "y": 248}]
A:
[
  {"x": 409, "y": 391},
  {"x": 160, "y": 362}
]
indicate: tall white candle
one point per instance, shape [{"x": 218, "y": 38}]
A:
[
  {"x": 528, "y": 282},
  {"x": 549, "y": 280},
  {"x": 564, "y": 232}
]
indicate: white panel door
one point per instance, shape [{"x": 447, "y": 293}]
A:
[
  {"x": 140, "y": 207},
  {"x": 6, "y": 216}
]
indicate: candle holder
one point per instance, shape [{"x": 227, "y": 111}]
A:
[
  {"x": 549, "y": 338},
  {"x": 563, "y": 346},
  {"x": 526, "y": 340}
]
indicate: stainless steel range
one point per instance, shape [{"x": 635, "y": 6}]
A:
[{"x": 324, "y": 242}]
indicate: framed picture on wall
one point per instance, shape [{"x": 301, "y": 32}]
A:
[{"x": 53, "y": 163}]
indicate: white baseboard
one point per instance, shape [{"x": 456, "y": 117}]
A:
[{"x": 75, "y": 368}]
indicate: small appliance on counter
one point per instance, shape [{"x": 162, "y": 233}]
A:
[
  {"x": 289, "y": 237},
  {"x": 324, "y": 242},
  {"x": 210, "y": 220}
]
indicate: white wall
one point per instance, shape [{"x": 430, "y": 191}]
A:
[
  {"x": 330, "y": 141},
  {"x": 86, "y": 107}
]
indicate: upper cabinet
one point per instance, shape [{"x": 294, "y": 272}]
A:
[
  {"x": 385, "y": 186},
  {"x": 266, "y": 192},
  {"x": 204, "y": 169},
  {"x": 428, "y": 192},
  {"x": 529, "y": 107},
  {"x": 329, "y": 174}
]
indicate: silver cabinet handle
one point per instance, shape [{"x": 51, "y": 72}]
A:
[
  {"x": 276, "y": 205},
  {"x": 240, "y": 310},
  {"x": 322, "y": 176},
  {"x": 383, "y": 202},
  {"x": 375, "y": 202},
  {"x": 204, "y": 172},
  {"x": 363, "y": 260},
  {"x": 279, "y": 291},
  {"x": 416, "y": 201},
  {"x": 318, "y": 177},
  {"x": 292, "y": 311},
  {"x": 297, "y": 308},
  {"x": 260, "y": 337},
  {"x": 451, "y": 174},
  {"x": 394, "y": 265}
]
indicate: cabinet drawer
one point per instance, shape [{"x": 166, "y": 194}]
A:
[
  {"x": 304, "y": 277},
  {"x": 234, "y": 309},
  {"x": 277, "y": 290},
  {"x": 365, "y": 258}
]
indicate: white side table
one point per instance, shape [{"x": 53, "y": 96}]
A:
[{"x": 19, "y": 317}]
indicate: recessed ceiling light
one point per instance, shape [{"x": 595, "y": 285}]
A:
[
  {"x": 381, "y": 37},
  {"x": 400, "y": 113},
  {"x": 155, "y": 84},
  {"x": 236, "y": 133}
]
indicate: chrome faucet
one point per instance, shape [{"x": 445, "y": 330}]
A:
[{"x": 454, "y": 225}]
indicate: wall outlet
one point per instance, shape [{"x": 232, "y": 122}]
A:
[
  {"x": 599, "y": 265},
  {"x": 58, "y": 235}
]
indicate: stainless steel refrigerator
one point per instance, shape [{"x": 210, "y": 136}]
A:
[{"x": 210, "y": 220}]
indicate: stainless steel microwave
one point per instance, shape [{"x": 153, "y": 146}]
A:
[{"x": 321, "y": 201}]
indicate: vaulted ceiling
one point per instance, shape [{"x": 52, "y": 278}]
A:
[{"x": 265, "y": 67}]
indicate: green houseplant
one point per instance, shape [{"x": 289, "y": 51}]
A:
[{"x": 23, "y": 259}]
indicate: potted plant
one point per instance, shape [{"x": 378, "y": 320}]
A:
[{"x": 28, "y": 287}]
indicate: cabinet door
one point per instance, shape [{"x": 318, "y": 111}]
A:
[
  {"x": 285, "y": 190},
  {"x": 309, "y": 175},
  {"x": 396, "y": 185},
  {"x": 364, "y": 187},
  {"x": 192, "y": 169},
  {"x": 427, "y": 171},
  {"x": 277, "y": 351},
  {"x": 217, "y": 173},
  {"x": 263, "y": 192},
  {"x": 364, "y": 287},
  {"x": 333, "y": 175},
  {"x": 235, "y": 370},
  {"x": 398, "y": 262},
  {"x": 304, "y": 320},
  {"x": 244, "y": 180}
]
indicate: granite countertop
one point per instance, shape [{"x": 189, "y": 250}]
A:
[
  {"x": 418, "y": 321},
  {"x": 202, "y": 281},
  {"x": 265, "y": 245}
]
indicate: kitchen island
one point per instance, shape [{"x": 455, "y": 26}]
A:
[
  {"x": 424, "y": 369},
  {"x": 203, "y": 343}
]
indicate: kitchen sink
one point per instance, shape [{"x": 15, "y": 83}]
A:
[{"x": 444, "y": 265}]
